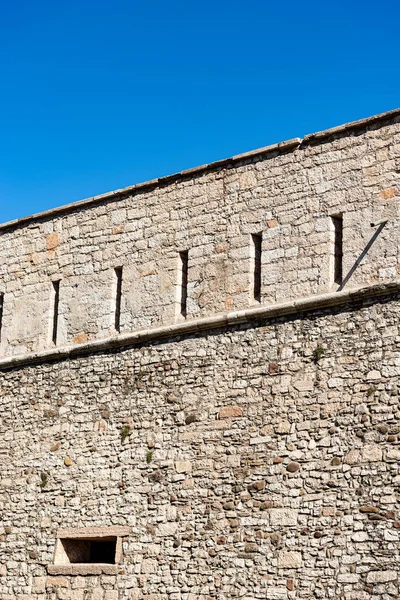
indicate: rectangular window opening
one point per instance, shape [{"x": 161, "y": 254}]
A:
[
  {"x": 337, "y": 267},
  {"x": 1, "y": 313},
  {"x": 183, "y": 281},
  {"x": 118, "y": 298},
  {"x": 95, "y": 551},
  {"x": 82, "y": 550},
  {"x": 256, "y": 249},
  {"x": 56, "y": 301}
]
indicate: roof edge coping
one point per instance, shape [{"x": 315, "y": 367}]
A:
[{"x": 279, "y": 146}]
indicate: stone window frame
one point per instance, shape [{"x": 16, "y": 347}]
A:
[{"x": 88, "y": 533}]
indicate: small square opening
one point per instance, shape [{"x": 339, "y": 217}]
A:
[{"x": 94, "y": 551}]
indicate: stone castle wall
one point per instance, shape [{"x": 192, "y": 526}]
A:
[
  {"x": 288, "y": 193},
  {"x": 255, "y": 460},
  {"x": 259, "y": 462}
]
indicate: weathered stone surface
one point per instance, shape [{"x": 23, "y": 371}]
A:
[
  {"x": 293, "y": 467},
  {"x": 369, "y": 453},
  {"x": 304, "y": 385},
  {"x": 393, "y": 454},
  {"x": 276, "y": 593},
  {"x": 52, "y": 241},
  {"x": 39, "y": 585},
  {"x": 149, "y": 565},
  {"x": 230, "y": 411},
  {"x": 382, "y": 576},
  {"x": 198, "y": 493},
  {"x": 369, "y": 509},
  {"x": 183, "y": 466},
  {"x": 57, "y": 582},
  {"x": 256, "y": 486},
  {"x": 289, "y": 560},
  {"x": 283, "y": 516},
  {"x": 283, "y": 427}
]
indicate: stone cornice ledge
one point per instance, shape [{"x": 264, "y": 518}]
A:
[{"x": 291, "y": 307}]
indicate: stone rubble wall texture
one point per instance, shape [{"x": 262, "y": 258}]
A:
[
  {"x": 251, "y": 462},
  {"x": 246, "y": 466}
]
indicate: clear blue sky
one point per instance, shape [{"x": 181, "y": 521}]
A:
[{"x": 98, "y": 95}]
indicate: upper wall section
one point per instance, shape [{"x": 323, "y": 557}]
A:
[{"x": 267, "y": 213}]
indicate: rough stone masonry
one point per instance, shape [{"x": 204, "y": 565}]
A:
[{"x": 199, "y": 382}]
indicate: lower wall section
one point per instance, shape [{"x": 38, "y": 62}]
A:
[{"x": 254, "y": 462}]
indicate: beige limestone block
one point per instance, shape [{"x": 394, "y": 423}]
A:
[
  {"x": 303, "y": 385},
  {"x": 369, "y": 453},
  {"x": 283, "y": 427},
  {"x": 183, "y": 466},
  {"x": 39, "y": 585},
  {"x": 289, "y": 560},
  {"x": 57, "y": 582},
  {"x": 149, "y": 565},
  {"x": 381, "y": 576},
  {"x": 52, "y": 241},
  {"x": 230, "y": 411},
  {"x": 166, "y": 529},
  {"x": 283, "y": 516}
]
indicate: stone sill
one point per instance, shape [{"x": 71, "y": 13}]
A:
[
  {"x": 83, "y": 569},
  {"x": 219, "y": 320}
]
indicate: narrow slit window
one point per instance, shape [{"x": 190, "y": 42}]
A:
[
  {"x": 118, "y": 298},
  {"x": 337, "y": 269},
  {"x": 1, "y": 313},
  {"x": 183, "y": 282},
  {"x": 56, "y": 301},
  {"x": 256, "y": 249}
]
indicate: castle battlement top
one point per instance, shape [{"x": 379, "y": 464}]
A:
[{"x": 280, "y": 223}]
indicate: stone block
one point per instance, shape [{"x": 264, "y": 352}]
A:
[
  {"x": 166, "y": 529},
  {"x": 283, "y": 427},
  {"x": 57, "y": 582},
  {"x": 368, "y": 453},
  {"x": 183, "y": 466},
  {"x": 276, "y": 593},
  {"x": 283, "y": 516},
  {"x": 303, "y": 385},
  {"x": 230, "y": 411},
  {"x": 39, "y": 585},
  {"x": 382, "y": 576},
  {"x": 52, "y": 241},
  {"x": 289, "y": 560},
  {"x": 149, "y": 565}
]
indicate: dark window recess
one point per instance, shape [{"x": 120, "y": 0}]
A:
[
  {"x": 118, "y": 297},
  {"x": 56, "y": 296},
  {"x": 184, "y": 256},
  {"x": 1, "y": 313},
  {"x": 337, "y": 222},
  {"x": 98, "y": 550},
  {"x": 257, "y": 246}
]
